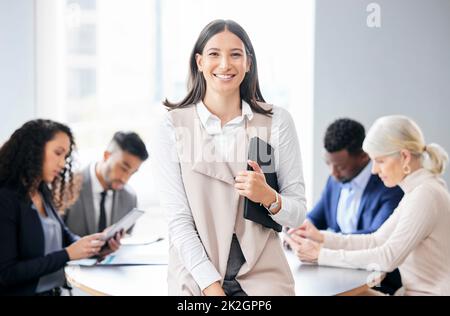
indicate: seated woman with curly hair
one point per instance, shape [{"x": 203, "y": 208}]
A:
[{"x": 36, "y": 181}]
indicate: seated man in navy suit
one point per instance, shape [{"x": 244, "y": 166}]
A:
[{"x": 354, "y": 200}]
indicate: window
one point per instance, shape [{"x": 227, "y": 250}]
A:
[{"x": 106, "y": 65}]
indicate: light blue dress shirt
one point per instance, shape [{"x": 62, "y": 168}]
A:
[{"x": 350, "y": 200}]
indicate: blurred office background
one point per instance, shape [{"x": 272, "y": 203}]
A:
[{"x": 106, "y": 65}]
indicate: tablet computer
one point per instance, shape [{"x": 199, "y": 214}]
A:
[{"x": 124, "y": 223}]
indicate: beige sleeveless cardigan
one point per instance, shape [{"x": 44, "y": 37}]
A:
[{"x": 217, "y": 210}]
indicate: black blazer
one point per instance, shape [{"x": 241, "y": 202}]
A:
[{"x": 22, "y": 244}]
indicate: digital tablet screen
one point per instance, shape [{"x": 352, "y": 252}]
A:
[{"x": 124, "y": 223}]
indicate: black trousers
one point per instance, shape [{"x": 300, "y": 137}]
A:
[{"x": 236, "y": 259}]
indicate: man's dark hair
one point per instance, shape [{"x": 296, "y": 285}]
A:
[
  {"x": 131, "y": 143},
  {"x": 346, "y": 134}
]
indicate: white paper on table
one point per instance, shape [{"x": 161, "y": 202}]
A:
[
  {"x": 140, "y": 240},
  {"x": 155, "y": 253}
]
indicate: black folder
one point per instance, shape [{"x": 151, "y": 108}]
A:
[{"x": 263, "y": 154}]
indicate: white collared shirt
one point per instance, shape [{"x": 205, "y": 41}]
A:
[
  {"x": 97, "y": 190},
  {"x": 173, "y": 197},
  {"x": 223, "y": 136},
  {"x": 350, "y": 199}
]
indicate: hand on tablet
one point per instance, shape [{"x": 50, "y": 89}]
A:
[
  {"x": 85, "y": 247},
  {"x": 112, "y": 245}
]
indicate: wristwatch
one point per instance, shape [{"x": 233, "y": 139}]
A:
[{"x": 273, "y": 206}]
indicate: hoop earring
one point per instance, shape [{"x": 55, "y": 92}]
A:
[{"x": 406, "y": 169}]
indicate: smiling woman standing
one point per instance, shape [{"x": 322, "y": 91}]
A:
[
  {"x": 35, "y": 181},
  {"x": 201, "y": 157}
]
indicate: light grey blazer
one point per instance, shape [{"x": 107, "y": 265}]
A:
[{"x": 80, "y": 217}]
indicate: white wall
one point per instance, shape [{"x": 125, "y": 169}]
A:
[
  {"x": 403, "y": 67},
  {"x": 16, "y": 65},
  {"x": 363, "y": 73}
]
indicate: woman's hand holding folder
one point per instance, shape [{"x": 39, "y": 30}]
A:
[
  {"x": 253, "y": 185},
  {"x": 112, "y": 245}
]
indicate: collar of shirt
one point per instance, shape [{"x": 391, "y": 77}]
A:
[
  {"x": 212, "y": 123},
  {"x": 97, "y": 187},
  {"x": 361, "y": 180}
]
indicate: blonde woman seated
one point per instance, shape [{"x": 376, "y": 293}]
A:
[{"x": 416, "y": 237}]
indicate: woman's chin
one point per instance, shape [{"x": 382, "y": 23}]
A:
[{"x": 49, "y": 179}]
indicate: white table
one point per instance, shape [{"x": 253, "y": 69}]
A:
[
  {"x": 152, "y": 280},
  {"x": 122, "y": 281},
  {"x": 313, "y": 280},
  {"x": 310, "y": 280}
]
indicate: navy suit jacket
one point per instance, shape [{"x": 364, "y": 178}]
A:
[
  {"x": 377, "y": 204},
  {"x": 22, "y": 244}
]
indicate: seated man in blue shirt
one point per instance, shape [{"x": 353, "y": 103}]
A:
[{"x": 354, "y": 200}]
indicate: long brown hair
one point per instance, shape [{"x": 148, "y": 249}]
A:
[{"x": 249, "y": 89}]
